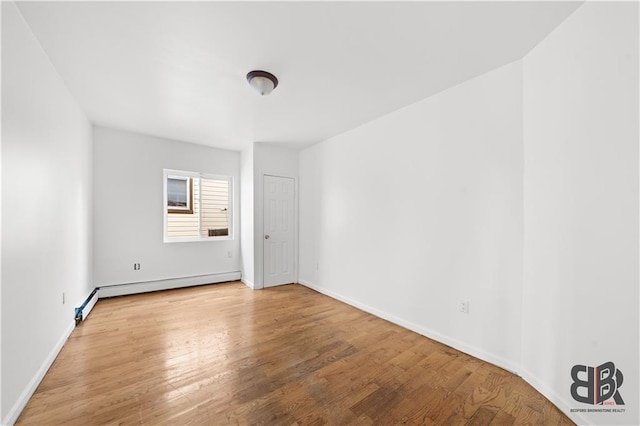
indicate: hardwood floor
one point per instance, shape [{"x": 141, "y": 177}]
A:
[{"x": 224, "y": 354}]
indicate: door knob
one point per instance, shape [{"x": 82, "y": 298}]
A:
[{"x": 266, "y": 237}]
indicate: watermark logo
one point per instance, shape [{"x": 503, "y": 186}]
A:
[{"x": 597, "y": 385}]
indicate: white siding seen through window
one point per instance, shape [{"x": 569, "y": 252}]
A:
[{"x": 210, "y": 217}]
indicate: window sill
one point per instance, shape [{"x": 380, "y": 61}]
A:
[{"x": 196, "y": 239}]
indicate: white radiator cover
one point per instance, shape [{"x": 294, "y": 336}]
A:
[{"x": 147, "y": 286}]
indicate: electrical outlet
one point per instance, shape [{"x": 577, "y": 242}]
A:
[
  {"x": 64, "y": 298},
  {"x": 136, "y": 266},
  {"x": 317, "y": 266},
  {"x": 463, "y": 306},
  {"x": 229, "y": 254}
]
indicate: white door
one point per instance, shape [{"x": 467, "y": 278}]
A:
[{"x": 279, "y": 230}]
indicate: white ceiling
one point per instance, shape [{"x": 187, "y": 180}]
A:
[{"x": 177, "y": 69}]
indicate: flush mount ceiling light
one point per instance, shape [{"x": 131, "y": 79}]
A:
[{"x": 262, "y": 82}]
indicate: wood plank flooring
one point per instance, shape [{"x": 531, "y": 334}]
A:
[{"x": 224, "y": 354}]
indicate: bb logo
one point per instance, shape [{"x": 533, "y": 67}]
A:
[{"x": 596, "y": 385}]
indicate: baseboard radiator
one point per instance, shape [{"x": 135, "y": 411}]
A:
[
  {"x": 123, "y": 289},
  {"x": 83, "y": 311}
]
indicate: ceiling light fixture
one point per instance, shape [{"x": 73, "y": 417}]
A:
[{"x": 262, "y": 82}]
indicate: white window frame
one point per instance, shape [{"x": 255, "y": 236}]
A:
[
  {"x": 165, "y": 208},
  {"x": 189, "y": 194}
]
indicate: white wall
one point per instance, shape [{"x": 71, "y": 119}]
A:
[
  {"x": 1, "y": 412},
  {"x": 409, "y": 213},
  {"x": 580, "y": 286},
  {"x": 128, "y": 209},
  {"x": 268, "y": 160},
  {"x": 246, "y": 215},
  {"x": 46, "y": 216}
]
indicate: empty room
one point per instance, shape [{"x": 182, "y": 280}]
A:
[{"x": 323, "y": 212}]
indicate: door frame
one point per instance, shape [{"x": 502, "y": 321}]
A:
[{"x": 260, "y": 231}]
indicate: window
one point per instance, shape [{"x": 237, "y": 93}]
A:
[
  {"x": 180, "y": 194},
  {"x": 197, "y": 206}
]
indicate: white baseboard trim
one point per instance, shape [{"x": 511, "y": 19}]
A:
[
  {"x": 559, "y": 402},
  {"x": 26, "y": 394},
  {"x": 248, "y": 283},
  {"x": 168, "y": 284},
  {"x": 456, "y": 344}
]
